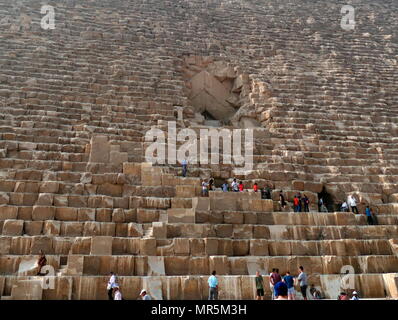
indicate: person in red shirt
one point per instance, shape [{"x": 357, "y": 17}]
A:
[
  {"x": 255, "y": 187},
  {"x": 240, "y": 186},
  {"x": 296, "y": 203}
]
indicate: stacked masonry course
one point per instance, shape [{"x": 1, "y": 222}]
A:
[{"x": 76, "y": 102}]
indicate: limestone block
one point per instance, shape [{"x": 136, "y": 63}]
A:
[
  {"x": 118, "y": 215},
  {"x": 103, "y": 215},
  {"x": 177, "y": 265},
  {"x": 201, "y": 203},
  {"x": 224, "y": 230},
  {"x": 250, "y": 218},
  {"x": 44, "y": 243},
  {"x": 198, "y": 265},
  {"x": 101, "y": 245},
  {"x": 45, "y": 199},
  {"x": 60, "y": 201},
  {"x": 159, "y": 230},
  {"x": 148, "y": 247},
  {"x": 51, "y": 228},
  {"x": 12, "y": 227},
  {"x": 132, "y": 168},
  {"x": 24, "y": 213},
  {"x": 220, "y": 264},
  {"x": 71, "y": 229},
  {"x": 391, "y": 284},
  {"x": 5, "y": 245},
  {"x": 243, "y": 231},
  {"x": 240, "y": 247},
  {"x": 75, "y": 265},
  {"x": 86, "y": 214},
  {"x": 181, "y": 246},
  {"x": 147, "y": 215},
  {"x": 99, "y": 151},
  {"x": 66, "y": 214},
  {"x": 181, "y": 215},
  {"x": 223, "y": 201},
  {"x": 135, "y": 230},
  {"x": 121, "y": 229},
  {"x": 81, "y": 245},
  {"x": 43, "y": 213},
  {"x": 261, "y": 232},
  {"x": 8, "y": 212},
  {"x": 225, "y": 247},
  {"x": 20, "y": 245},
  {"x": 27, "y": 290},
  {"x": 197, "y": 247},
  {"x": 4, "y": 198},
  {"x": 187, "y": 191},
  {"x": 156, "y": 266},
  {"x": 107, "y": 229},
  {"x": 33, "y": 228},
  {"x": 259, "y": 247},
  {"x": 191, "y": 289},
  {"x": 315, "y": 187},
  {"x": 211, "y": 246},
  {"x": 233, "y": 217}
]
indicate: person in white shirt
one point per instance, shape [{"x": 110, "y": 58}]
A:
[
  {"x": 235, "y": 186},
  {"x": 352, "y": 202},
  {"x": 118, "y": 294},
  {"x": 344, "y": 206},
  {"x": 144, "y": 295},
  {"x": 355, "y": 296},
  {"x": 111, "y": 285}
]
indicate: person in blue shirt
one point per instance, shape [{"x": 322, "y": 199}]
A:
[
  {"x": 213, "y": 286},
  {"x": 368, "y": 213},
  {"x": 289, "y": 280},
  {"x": 225, "y": 187}
]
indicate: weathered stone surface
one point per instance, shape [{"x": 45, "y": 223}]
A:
[
  {"x": 101, "y": 245},
  {"x": 43, "y": 213},
  {"x": 13, "y": 227}
]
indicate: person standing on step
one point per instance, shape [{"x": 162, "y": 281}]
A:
[
  {"x": 289, "y": 280},
  {"x": 144, "y": 295},
  {"x": 303, "y": 281},
  {"x": 300, "y": 208},
  {"x": 352, "y": 202},
  {"x": 41, "y": 262},
  {"x": 184, "y": 167},
  {"x": 240, "y": 186},
  {"x": 296, "y": 202},
  {"x": 281, "y": 291},
  {"x": 259, "y": 286},
  {"x": 306, "y": 202},
  {"x": 282, "y": 200},
  {"x": 354, "y": 296},
  {"x": 213, "y": 286},
  {"x": 255, "y": 187},
  {"x": 271, "y": 283},
  {"x": 111, "y": 285},
  {"x": 117, "y": 294},
  {"x": 224, "y": 187},
  {"x": 205, "y": 191},
  {"x": 268, "y": 192},
  {"x": 276, "y": 277},
  {"x": 234, "y": 186},
  {"x": 368, "y": 214}
]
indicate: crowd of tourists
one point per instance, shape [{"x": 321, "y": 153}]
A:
[{"x": 114, "y": 292}]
